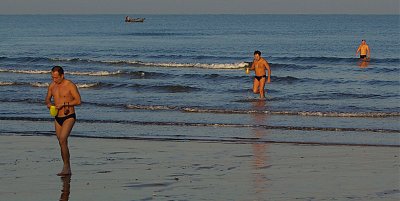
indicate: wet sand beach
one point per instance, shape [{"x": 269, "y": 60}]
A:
[{"x": 113, "y": 169}]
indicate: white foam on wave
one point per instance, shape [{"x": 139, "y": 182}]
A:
[
  {"x": 87, "y": 85},
  {"x": 6, "y": 83},
  {"x": 343, "y": 114},
  {"x": 236, "y": 65},
  {"x": 70, "y": 59},
  {"x": 24, "y": 71},
  {"x": 223, "y": 66},
  {"x": 302, "y": 113},
  {"x": 39, "y": 84},
  {"x": 92, "y": 73},
  {"x": 96, "y": 73},
  {"x": 33, "y": 84},
  {"x": 149, "y": 107},
  {"x": 44, "y": 84},
  {"x": 201, "y": 65}
]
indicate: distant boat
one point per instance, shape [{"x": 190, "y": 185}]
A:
[{"x": 128, "y": 19}]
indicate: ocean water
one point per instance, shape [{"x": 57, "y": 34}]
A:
[{"x": 181, "y": 77}]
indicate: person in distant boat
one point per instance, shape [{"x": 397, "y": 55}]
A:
[
  {"x": 260, "y": 65},
  {"x": 127, "y": 19},
  {"x": 66, "y": 96},
  {"x": 364, "y": 51}
]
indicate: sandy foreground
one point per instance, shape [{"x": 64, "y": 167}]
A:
[{"x": 112, "y": 169}]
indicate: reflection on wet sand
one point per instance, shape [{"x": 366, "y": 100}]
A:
[
  {"x": 66, "y": 186},
  {"x": 259, "y": 149}
]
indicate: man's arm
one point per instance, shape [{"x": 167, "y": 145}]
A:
[
  {"x": 368, "y": 52},
  {"x": 48, "y": 97},
  {"x": 252, "y": 66},
  {"x": 358, "y": 50},
  {"x": 75, "y": 95},
  {"x": 269, "y": 71}
]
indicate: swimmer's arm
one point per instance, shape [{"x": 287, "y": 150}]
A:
[
  {"x": 48, "y": 97},
  {"x": 252, "y": 66},
  {"x": 75, "y": 95},
  {"x": 269, "y": 71},
  {"x": 368, "y": 52},
  {"x": 358, "y": 50}
]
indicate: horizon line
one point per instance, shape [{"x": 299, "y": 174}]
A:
[{"x": 201, "y": 13}]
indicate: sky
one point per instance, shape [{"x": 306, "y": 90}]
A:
[{"x": 199, "y": 7}]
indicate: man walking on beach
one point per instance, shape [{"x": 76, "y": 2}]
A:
[
  {"x": 259, "y": 66},
  {"x": 66, "y": 96},
  {"x": 363, "y": 49}
]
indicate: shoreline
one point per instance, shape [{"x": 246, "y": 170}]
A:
[
  {"x": 201, "y": 140},
  {"x": 115, "y": 169},
  {"x": 208, "y": 132}
]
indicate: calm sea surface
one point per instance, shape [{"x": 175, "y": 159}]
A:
[{"x": 182, "y": 76}]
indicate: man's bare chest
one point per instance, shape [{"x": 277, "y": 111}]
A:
[{"x": 59, "y": 92}]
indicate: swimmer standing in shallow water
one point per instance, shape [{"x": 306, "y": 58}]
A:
[
  {"x": 260, "y": 65},
  {"x": 364, "y": 51},
  {"x": 365, "y": 54},
  {"x": 66, "y": 96}
]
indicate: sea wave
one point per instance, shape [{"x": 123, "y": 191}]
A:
[
  {"x": 91, "y": 73},
  {"x": 173, "y": 88},
  {"x": 238, "y": 65},
  {"x": 39, "y": 84},
  {"x": 233, "y": 139},
  {"x": 297, "y": 113},
  {"x": 96, "y": 73},
  {"x": 235, "y": 65},
  {"x": 290, "y": 66},
  {"x": 187, "y": 109},
  {"x": 89, "y": 85},
  {"x": 147, "y": 75},
  {"x": 24, "y": 71},
  {"x": 138, "y": 74},
  {"x": 132, "y": 74},
  {"x": 2, "y": 83},
  {"x": 150, "y": 107},
  {"x": 163, "y": 88},
  {"x": 287, "y": 61},
  {"x": 336, "y": 59},
  {"x": 46, "y": 84},
  {"x": 200, "y": 124},
  {"x": 302, "y": 63},
  {"x": 33, "y": 84},
  {"x": 244, "y": 111},
  {"x": 160, "y": 34}
]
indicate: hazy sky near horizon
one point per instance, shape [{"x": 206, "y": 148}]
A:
[{"x": 199, "y": 6}]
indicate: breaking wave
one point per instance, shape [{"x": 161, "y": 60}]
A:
[
  {"x": 45, "y": 84},
  {"x": 194, "y": 124}
]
